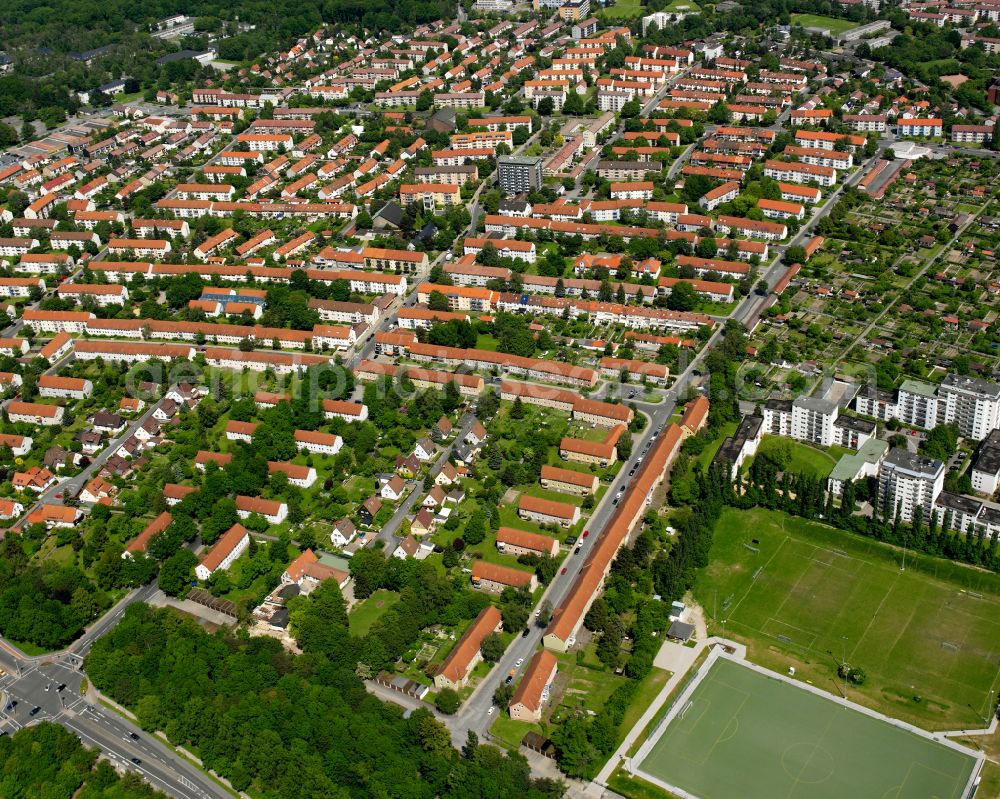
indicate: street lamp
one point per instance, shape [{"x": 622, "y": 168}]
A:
[{"x": 843, "y": 663}]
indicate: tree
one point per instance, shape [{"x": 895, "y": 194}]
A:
[
  {"x": 437, "y": 301},
  {"x": 471, "y": 746},
  {"x": 574, "y": 105},
  {"x": 8, "y": 136},
  {"x": 546, "y": 106},
  {"x": 544, "y": 614},
  {"x": 682, "y": 297},
  {"x": 795, "y": 255},
  {"x": 503, "y": 694},
  {"x": 492, "y": 648},
  {"x": 631, "y": 109},
  {"x": 475, "y": 528},
  {"x": 624, "y": 446},
  {"x": 177, "y": 572},
  {"x": 941, "y": 442},
  {"x": 425, "y": 100},
  {"x": 448, "y": 701}
]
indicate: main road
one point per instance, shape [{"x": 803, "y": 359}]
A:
[
  {"x": 50, "y": 688},
  {"x": 474, "y": 714}
]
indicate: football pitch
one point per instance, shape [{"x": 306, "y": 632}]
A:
[
  {"x": 740, "y": 731},
  {"x": 833, "y": 24},
  {"x": 799, "y": 593}
]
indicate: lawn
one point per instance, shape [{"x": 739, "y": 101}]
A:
[
  {"x": 486, "y": 342},
  {"x": 832, "y": 24},
  {"x": 743, "y": 732},
  {"x": 628, "y": 9},
  {"x": 583, "y": 686},
  {"x": 648, "y": 690},
  {"x": 370, "y": 610},
  {"x": 704, "y": 458},
  {"x": 623, "y": 9},
  {"x": 508, "y": 731},
  {"x": 801, "y": 594},
  {"x": 802, "y": 458}
]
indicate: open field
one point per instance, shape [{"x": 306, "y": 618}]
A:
[
  {"x": 629, "y": 9},
  {"x": 802, "y": 594},
  {"x": 623, "y": 9},
  {"x": 368, "y": 611},
  {"x": 741, "y": 732},
  {"x": 803, "y": 459},
  {"x": 832, "y": 24}
]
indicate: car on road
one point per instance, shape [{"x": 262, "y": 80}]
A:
[
  {"x": 47, "y": 687},
  {"x": 524, "y": 632},
  {"x": 34, "y": 711},
  {"x": 577, "y": 550},
  {"x": 631, "y": 394},
  {"x": 586, "y": 533},
  {"x": 490, "y": 711},
  {"x": 59, "y": 495},
  {"x": 11, "y": 705},
  {"x": 133, "y": 736},
  {"x": 520, "y": 662},
  {"x": 137, "y": 761},
  {"x": 509, "y": 679},
  {"x": 564, "y": 570},
  {"x": 61, "y": 686}
]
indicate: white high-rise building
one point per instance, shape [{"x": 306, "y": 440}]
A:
[
  {"x": 971, "y": 403},
  {"x": 907, "y": 482},
  {"x": 813, "y": 420},
  {"x": 917, "y": 404}
]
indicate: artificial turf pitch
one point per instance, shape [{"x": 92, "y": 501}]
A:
[{"x": 744, "y": 734}]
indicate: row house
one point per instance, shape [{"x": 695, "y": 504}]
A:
[
  {"x": 819, "y": 156},
  {"x": 796, "y": 172}
]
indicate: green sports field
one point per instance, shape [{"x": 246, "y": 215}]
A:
[
  {"x": 745, "y": 734},
  {"x": 802, "y": 594},
  {"x": 833, "y": 24}
]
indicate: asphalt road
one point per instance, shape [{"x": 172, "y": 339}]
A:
[
  {"x": 474, "y": 713},
  {"x": 71, "y": 486},
  {"x": 34, "y": 682}
]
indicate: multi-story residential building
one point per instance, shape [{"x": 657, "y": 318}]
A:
[
  {"x": 985, "y": 472},
  {"x": 226, "y": 550},
  {"x": 971, "y": 403},
  {"x": 971, "y": 134},
  {"x": 516, "y": 542},
  {"x": 568, "y": 481},
  {"x": 797, "y": 172},
  {"x": 519, "y": 174},
  {"x": 866, "y": 123},
  {"x": 430, "y": 195},
  {"x": 493, "y": 578},
  {"x": 533, "y": 690},
  {"x": 816, "y": 421},
  {"x": 920, "y": 127},
  {"x": 906, "y": 482},
  {"x": 465, "y": 656}
]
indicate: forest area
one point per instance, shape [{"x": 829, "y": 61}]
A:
[
  {"x": 281, "y": 725},
  {"x": 49, "y": 761}
]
